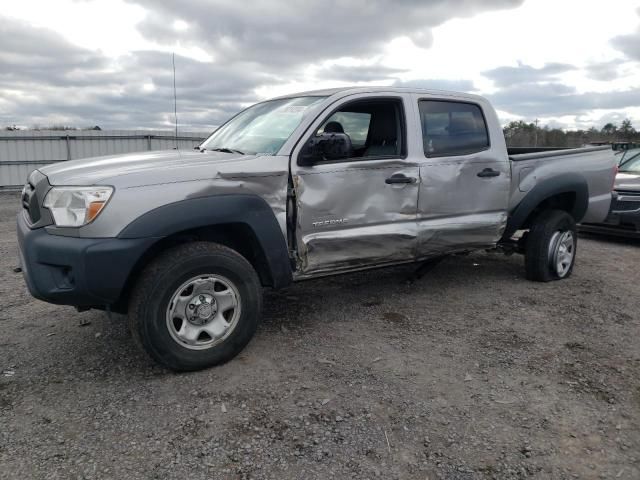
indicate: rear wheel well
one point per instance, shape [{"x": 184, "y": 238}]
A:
[
  {"x": 565, "y": 201},
  {"x": 237, "y": 236}
]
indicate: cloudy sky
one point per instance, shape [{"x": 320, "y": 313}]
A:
[{"x": 569, "y": 63}]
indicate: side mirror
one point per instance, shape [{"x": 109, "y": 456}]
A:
[{"x": 325, "y": 147}]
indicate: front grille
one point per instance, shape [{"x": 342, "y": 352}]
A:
[
  {"x": 626, "y": 206},
  {"x": 30, "y": 202},
  {"x": 629, "y": 193}
]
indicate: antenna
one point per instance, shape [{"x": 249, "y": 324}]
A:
[{"x": 175, "y": 97}]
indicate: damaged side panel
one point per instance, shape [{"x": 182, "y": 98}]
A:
[
  {"x": 459, "y": 210},
  {"x": 448, "y": 235},
  {"x": 265, "y": 177},
  {"x": 348, "y": 217}
]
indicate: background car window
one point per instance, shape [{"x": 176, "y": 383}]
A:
[
  {"x": 631, "y": 165},
  {"x": 354, "y": 124},
  {"x": 630, "y": 155},
  {"x": 452, "y": 128}
]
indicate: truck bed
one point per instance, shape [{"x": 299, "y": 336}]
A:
[{"x": 531, "y": 166}]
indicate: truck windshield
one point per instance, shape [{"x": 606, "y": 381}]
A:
[
  {"x": 262, "y": 128},
  {"x": 632, "y": 165}
]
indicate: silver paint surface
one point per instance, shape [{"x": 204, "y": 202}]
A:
[
  {"x": 597, "y": 165},
  {"x": 380, "y": 225},
  {"x": 381, "y": 218},
  {"x": 149, "y": 180},
  {"x": 448, "y": 209},
  {"x": 348, "y": 218},
  {"x": 628, "y": 181}
]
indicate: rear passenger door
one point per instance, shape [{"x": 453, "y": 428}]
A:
[{"x": 464, "y": 177}]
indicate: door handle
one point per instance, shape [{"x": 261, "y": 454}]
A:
[
  {"x": 488, "y": 172},
  {"x": 399, "y": 178}
]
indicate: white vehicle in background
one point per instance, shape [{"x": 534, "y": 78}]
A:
[{"x": 624, "y": 216}]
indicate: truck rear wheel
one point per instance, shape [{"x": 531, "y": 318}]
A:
[
  {"x": 551, "y": 245},
  {"x": 195, "y": 306}
]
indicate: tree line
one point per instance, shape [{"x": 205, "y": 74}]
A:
[{"x": 523, "y": 134}]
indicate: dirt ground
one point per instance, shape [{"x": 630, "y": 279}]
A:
[{"x": 471, "y": 372}]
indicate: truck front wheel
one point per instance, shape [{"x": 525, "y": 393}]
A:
[
  {"x": 551, "y": 245},
  {"x": 195, "y": 306}
]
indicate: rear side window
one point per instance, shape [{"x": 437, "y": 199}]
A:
[{"x": 452, "y": 128}]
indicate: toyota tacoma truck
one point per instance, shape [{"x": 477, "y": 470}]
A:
[{"x": 294, "y": 188}]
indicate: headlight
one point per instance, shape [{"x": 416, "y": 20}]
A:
[{"x": 76, "y": 206}]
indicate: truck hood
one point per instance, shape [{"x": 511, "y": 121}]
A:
[
  {"x": 149, "y": 168},
  {"x": 627, "y": 181}
]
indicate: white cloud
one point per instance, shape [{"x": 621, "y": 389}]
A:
[
  {"x": 108, "y": 26},
  {"x": 452, "y": 49},
  {"x": 575, "y": 32}
]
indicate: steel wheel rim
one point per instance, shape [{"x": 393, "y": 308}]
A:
[
  {"x": 561, "y": 252},
  {"x": 203, "y": 311}
]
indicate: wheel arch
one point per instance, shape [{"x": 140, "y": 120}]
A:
[
  {"x": 244, "y": 223},
  {"x": 568, "y": 192}
]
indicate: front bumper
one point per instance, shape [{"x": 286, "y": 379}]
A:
[{"x": 82, "y": 272}]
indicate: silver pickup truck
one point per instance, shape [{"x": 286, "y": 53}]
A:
[{"x": 297, "y": 187}]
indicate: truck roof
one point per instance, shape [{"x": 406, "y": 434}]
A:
[{"x": 351, "y": 90}]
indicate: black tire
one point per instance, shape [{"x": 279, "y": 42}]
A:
[
  {"x": 163, "y": 277},
  {"x": 542, "y": 237}
]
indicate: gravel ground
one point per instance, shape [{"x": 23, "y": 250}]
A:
[{"x": 471, "y": 372}]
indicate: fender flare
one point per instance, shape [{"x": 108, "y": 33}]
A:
[
  {"x": 249, "y": 210},
  {"x": 564, "y": 183}
]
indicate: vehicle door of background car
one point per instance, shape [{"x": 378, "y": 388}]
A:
[
  {"x": 464, "y": 178},
  {"x": 359, "y": 210}
]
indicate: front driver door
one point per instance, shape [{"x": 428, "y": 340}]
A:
[{"x": 359, "y": 210}]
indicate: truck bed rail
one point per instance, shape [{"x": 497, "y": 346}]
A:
[{"x": 553, "y": 152}]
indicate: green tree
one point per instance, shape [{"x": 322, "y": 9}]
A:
[
  {"x": 609, "y": 129},
  {"x": 626, "y": 129}
]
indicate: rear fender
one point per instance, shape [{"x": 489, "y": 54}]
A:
[{"x": 572, "y": 183}]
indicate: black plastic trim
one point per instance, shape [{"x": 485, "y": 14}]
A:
[
  {"x": 82, "y": 272},
  {"x": 564, "y": 183},
  {"x": 250, "y": 210},
  {"x": 38, "y": 216}
]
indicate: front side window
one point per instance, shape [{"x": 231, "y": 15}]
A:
[
  {"x": 354, "y": 124},
  {"x": 452, "y": 128},
  {"x": 262, "y": 128},
  {"x": 367, "y": 128}
]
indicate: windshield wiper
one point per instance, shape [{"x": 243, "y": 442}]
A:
[{"x": 226, "y": 150}]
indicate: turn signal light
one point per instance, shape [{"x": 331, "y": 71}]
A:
[{"x": 94, "y": 210}]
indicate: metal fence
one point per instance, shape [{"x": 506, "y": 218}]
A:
[{"x": 23, "y": 151}]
